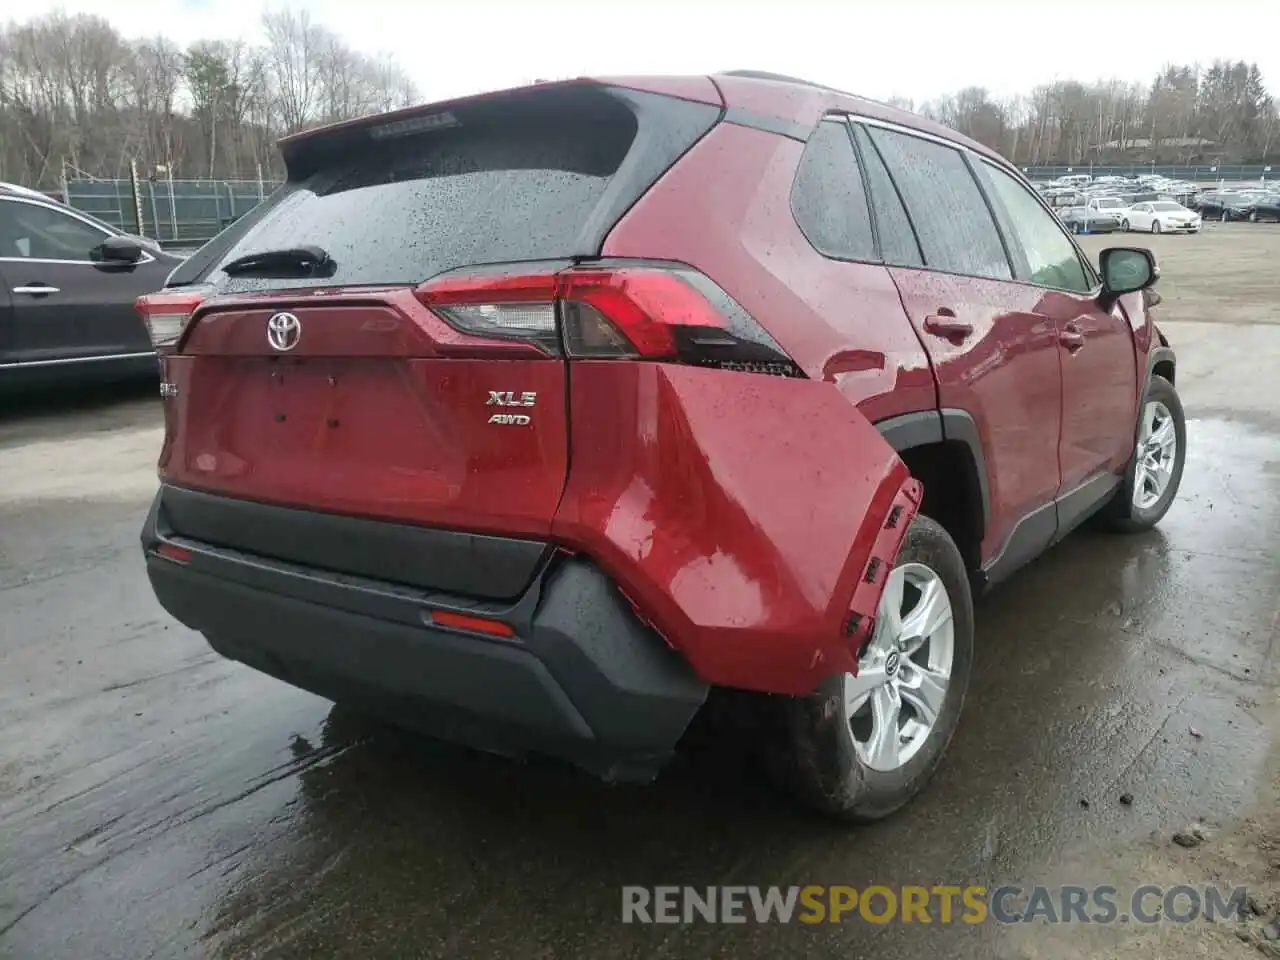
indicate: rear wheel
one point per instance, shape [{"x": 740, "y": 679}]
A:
[
  {"x": 1155, "y": 471},
  {"x": 1124, "y": 225},
  {"x": 860, "y": 747},
  {"x": 1253, "y": 216}
]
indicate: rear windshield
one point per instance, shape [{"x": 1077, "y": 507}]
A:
[{"x": 503, "y": 184}]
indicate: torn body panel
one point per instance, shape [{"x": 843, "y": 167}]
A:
[{"x": 746, "y": 564}]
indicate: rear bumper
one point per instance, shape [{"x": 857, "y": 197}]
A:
[{"x": 583, "y": 680}]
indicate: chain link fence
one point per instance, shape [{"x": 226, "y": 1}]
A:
[
  {"x": 189, "y": 213},
  {"x": 1195, "y": 173},
  {"x": 178, "y": 213}
]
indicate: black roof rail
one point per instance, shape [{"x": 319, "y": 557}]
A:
[
  {"x": 783, "y": 78},
  {"x": 766, "y": 75}
]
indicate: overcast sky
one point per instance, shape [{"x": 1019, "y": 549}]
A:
[{"x": 912, "y": 48}]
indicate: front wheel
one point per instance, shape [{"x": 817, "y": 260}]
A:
[
  {"x": 1124, "y": 225},
  {"x": 1155, "y": 226},
  {"x": 1155, "y": 471},
  {"x": 860, "y": 747}
]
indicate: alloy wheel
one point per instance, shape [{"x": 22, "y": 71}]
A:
[
  {"x": 895, "y": 701},
  {"x": 1157, "y": 454}
]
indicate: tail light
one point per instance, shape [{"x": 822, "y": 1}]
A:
[
  {"x": 619, "y": 311},
  {"x": 167, "y": 312}
]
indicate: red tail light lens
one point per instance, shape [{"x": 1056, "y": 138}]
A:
[
  {"x": 167, "y": 312},
  {"x": 611, "y": 311}
]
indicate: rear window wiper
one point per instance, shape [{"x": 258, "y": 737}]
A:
[{"x": 294, "y": 261}]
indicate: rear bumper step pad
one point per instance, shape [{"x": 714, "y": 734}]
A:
[{"x": 445, "y": 560}]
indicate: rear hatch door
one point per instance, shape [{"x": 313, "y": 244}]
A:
[{"x": 339, "y": 387}]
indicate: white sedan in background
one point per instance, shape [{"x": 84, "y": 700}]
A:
[{"x": 1161, "y": 216}]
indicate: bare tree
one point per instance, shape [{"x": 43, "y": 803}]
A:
[
  {"x": 74, "y": 92},
  {"x": 294, "y": 51}
]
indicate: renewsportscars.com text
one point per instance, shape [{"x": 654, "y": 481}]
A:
[{"x": 938, "y": 904}]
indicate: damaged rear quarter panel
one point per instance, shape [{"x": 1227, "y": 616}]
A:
[{"x": 738, "y": 512}]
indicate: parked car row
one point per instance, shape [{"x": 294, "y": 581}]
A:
[
  {"x": 68, "y": 285},
  {"x": 1071, "y": 190},
  {"x": 1153, "y": 203},
  {"x": 1251, "y": 204}
]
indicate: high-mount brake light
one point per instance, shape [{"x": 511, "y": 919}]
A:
[
  {"x": 166, "y": 312},
  {"x": 623, "y": 311}
]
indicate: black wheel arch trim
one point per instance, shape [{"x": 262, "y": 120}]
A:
[
  {"x": 1158, "y": 355},
  {"x": 937, "y": 426}
]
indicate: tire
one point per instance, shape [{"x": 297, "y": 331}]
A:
[
  {"x": 1124, "y": 513},
  {"x": 813, "y": 754},
  {"x": 1253, "y": 216},
  {"x": 1155, "y": 226},
  {"x": 1124, "y": 225}
]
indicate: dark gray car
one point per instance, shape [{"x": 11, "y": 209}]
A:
[
  {"x": 1086, "y": 219},
  {"x": 68, "y": 283}
]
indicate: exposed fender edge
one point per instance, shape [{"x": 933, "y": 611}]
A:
[
  {"x": 936, "y": 426},
  {"x": 884, "y": 551}
]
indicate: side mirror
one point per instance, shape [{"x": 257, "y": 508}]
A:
[
  {"x": 1127, "y": 270},
  {"x": 117, "y": 250}
]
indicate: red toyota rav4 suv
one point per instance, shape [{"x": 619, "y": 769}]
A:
[{"x": 532, "y": 418}]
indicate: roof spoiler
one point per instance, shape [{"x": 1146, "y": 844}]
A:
[{"x": 296, "y": 148}]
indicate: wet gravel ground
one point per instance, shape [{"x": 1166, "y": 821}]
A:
[{"x": 157, "y": 801}]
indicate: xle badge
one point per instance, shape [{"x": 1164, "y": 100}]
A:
[{"x": 508, "y": 398}]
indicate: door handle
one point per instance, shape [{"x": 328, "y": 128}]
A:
[
  {"x": 36, "y": 289},
  {"x": 1071, "y": 338},
  {"x": 947, "y": 325}
]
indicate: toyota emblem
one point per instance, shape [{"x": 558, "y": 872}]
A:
[{"x": 284, "y": 331}]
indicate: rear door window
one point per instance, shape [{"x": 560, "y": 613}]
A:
[
  {"x": 956, "y": 230},
  {"x": 898, "y": 245},
  {"x": 828, "y": 198}
]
